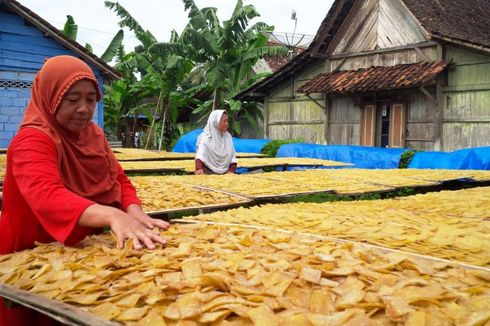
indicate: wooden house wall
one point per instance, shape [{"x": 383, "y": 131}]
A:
[
  {"x": 426, "y": 52},
  {"x": 466, "y": 119},
  {"x": 344, "y": 117},
  {"x": 377, "y": 24},
  {"x": 422, "y": 121},
  {"x": 344, "y": 113},
  {"x": 23, "y": 49},
  {"x": 291, "y": 115}
]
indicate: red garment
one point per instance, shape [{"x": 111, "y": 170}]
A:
[
  {"x": 87, "y": 166},
  {"x": 38, "y": 207}
]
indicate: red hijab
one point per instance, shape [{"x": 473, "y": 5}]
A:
[{"x": 86, "y": 163}]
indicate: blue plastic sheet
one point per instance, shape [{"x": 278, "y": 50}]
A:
[
  {"x": 249, "y": 145},
  {"x": 477, "y": 158},
  {"x": 361, "y": 156},
  {"x": 187, "y": 143}
]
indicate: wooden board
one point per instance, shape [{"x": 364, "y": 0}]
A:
[
  {"x": 159, "y": 170},
  {"x": 62, "y": 312},
  {"x": 246, "y": 200}
]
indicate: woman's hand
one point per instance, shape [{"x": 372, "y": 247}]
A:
[
  {"x": 122, "y": 224},
  {"x": 137, "y": 212},
  {"x": 199, "y": 171}
]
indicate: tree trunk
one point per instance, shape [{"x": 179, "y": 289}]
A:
[
  {"x": 165, "y": 110},
  {"x": 216, "y": 99},
  {"x": 150, "y": 133},
  {"x": 126, "y": 131}
]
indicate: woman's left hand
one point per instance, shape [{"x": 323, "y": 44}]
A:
[{"x": 137, "y": 212}]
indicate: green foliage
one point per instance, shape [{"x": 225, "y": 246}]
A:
[
  {"x": 70, "y": 30},
  {"x": 227, "y": 52},
  {"x": 406, "y": 158},
  {"x": 270, "y": 149},
  {"x": 113, "y": 47},
  {"x": 209, "y": 56}
]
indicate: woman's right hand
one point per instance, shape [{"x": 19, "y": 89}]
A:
[
  {"x": 122, "y": 224},
  {"x": 199, "y": 171}
]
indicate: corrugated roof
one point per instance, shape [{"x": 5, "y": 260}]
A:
[{"x": 375, "y": 78}]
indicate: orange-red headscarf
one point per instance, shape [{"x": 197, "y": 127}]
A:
[{"x": 85, "y": 161}]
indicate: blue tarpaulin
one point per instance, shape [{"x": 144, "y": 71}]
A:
[
  {"x": 477, "y": 158},
  {"x": 187, "y": 143},
  {"x": 360, "y": 156},
  {"x": 249, "y": 145}
]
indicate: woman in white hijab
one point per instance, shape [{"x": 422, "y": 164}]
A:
[{"x": 215, "y": 151}]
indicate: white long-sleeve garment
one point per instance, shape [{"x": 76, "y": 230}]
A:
[{"x": 215, "y": 148}]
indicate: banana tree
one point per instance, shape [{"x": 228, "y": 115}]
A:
[
  {"x": 162, "y": 70},
  {"x": 70, "y": 30},
  {"x": 228, "y": 51}
]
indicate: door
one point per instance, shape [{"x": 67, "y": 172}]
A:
[
  {"x": 368, "y": 124},
  {"x": 397, "y": 125},
  {"x": 384, "y": 124}
]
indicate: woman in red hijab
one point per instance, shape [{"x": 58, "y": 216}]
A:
[{"x": 63, "y": 181}]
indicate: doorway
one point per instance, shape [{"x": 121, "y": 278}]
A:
[{"x": 383, "y": 125}]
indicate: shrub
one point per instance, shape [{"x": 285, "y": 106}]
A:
[
  {"x": 270, "y": 149},
  {"x": 406, "y": 158}
]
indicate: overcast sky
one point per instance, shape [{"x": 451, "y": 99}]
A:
[{"x": 97, "y": 24}]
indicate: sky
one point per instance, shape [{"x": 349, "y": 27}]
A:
[{"x": 97, "y": 24}]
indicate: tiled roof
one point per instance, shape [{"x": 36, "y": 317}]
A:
[
  {"x": 463, "y": 20},
  {"x": 375, "y": 78}
]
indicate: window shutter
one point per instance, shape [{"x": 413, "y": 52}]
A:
[
  {"x": 368, "y": 124},
  {"x": 397, "y": 125}
]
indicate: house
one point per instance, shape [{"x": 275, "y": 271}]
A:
[
  {"x": 387, "y": 73},
  {"x": 26, "y": 40}
]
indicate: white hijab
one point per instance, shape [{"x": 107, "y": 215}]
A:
[{"x": 215, "y": 148}]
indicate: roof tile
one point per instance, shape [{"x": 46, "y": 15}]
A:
[{"x": 375, "y": 78}]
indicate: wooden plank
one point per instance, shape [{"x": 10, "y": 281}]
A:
[
  {"x": 282, "y": 123},
  {"x": 19, "y": 29},
  {"x": 467, "y": 88},
  {"x": 155, "y": 170},
  {"x": 381, "y": 51},
  {"x": 358, "y": 28},
  {"x": 397, "y": 128},
  {"x": 196, "y": 208},
  {"x": 59, "y": 311},
  {"x": 396, "y": 26},
  {"x": 368, "y": 124},
  {"x": 245, "y": 200}
]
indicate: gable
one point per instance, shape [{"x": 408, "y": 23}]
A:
[{"x": 378, "y": 24}]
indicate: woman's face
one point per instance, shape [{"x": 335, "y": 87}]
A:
[
  {"x": 77, "y": 106},
  {"x": 223, "y": 123}
]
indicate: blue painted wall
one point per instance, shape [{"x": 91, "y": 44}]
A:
[{"x": 23, "y": 49}]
